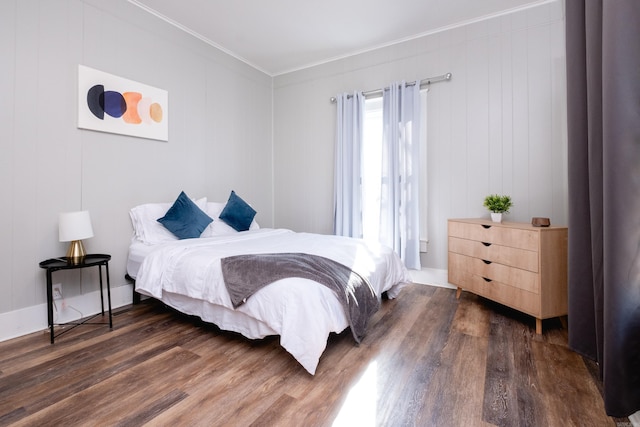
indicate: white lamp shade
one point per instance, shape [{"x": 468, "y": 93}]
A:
[{"x": 74, "y": 226}]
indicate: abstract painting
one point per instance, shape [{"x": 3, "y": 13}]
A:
[{"x": 109, "y": 103}]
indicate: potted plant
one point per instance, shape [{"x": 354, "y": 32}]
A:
[{"x": 498, "y": 205}]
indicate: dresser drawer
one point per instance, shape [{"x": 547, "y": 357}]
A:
[
  {"x": 501, "y": 235},
  {"x": 516, "y": 277},
  {"x": 506, "y": 255},
  {"x": 519, "y": 299}
]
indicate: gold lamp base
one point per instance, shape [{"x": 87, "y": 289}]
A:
[{"x": 76, "y": 253}]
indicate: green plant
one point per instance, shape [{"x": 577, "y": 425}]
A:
[{"x": 498, "y": 204}]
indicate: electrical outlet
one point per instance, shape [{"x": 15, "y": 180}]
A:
[{"x": 57, "y": 291}]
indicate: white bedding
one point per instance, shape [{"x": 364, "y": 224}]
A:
[
  {"x": 138, "y": 251},
  {"x": 186, "y": 275}
]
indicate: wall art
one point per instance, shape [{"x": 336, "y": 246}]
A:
[{"x": 109, "y": 103}]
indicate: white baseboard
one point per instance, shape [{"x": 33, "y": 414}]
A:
[
  {"x": 431, "y": 276},
  {"x": 27, "y": 320}
]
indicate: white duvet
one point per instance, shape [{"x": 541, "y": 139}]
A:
[{"x": 186, "y": 275}]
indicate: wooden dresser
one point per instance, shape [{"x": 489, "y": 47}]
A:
[{"x": 515, "y": 264}]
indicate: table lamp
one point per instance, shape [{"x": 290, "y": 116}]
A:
[{"x": 73, "y": 227}]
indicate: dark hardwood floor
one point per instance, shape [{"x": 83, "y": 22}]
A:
[{"x": 428, "y": 359}]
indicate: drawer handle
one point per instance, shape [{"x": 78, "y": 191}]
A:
[
  {"x": 486, "y": 261},
  {"x": 486, "y": 226},
  {"x": 487, "y": 280},
  {"x": 486, "y": 243}
]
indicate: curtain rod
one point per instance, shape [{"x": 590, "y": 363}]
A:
[{"x": 423, "y": 82}]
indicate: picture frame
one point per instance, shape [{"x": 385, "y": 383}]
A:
[{"x": 108, "y": 103}]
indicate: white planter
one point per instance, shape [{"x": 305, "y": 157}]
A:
[{"x": 496, "y": 217}]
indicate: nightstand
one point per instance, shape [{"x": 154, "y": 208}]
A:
[{"x": 56, "y": 264}]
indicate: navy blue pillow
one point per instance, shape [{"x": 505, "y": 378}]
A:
[
  {"x": 237, "y": 213},
  {"x": 185, "y": 219}
]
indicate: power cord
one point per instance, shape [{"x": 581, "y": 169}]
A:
[{"x": 64, "y": 307}]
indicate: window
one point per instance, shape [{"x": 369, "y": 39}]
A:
[
  {"x": 371, "y": 168},
  {"x": 372, "y": 174}
]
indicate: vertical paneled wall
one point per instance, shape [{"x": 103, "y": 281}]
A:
[
  {"x": 48, "y": 165},
  {"x": 497, "y": 127}
]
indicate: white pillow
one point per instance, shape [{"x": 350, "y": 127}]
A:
[
  {"x": 218, "y": 227},
  {"x": 146, "y": 227}
]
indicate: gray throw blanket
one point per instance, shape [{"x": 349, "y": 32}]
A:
[{"x": 246, "y": 274}]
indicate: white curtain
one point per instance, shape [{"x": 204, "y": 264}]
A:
[
  {"x": 348, "y": 159},
  {"x": 399, "y": 201}
]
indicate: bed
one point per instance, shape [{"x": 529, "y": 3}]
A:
[{"x": 187, "y": 275}]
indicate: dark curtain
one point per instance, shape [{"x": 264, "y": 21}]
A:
[{"x": 603, "y": 95}]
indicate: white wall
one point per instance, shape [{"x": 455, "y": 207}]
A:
[
  {"x": 497, "y": 126},
  {"x": 48, "y": 166}
]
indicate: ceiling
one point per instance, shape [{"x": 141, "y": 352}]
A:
[{"x": 279, "y": 36}]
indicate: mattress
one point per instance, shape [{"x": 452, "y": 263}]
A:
[{"x": 137, "y": 253}]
